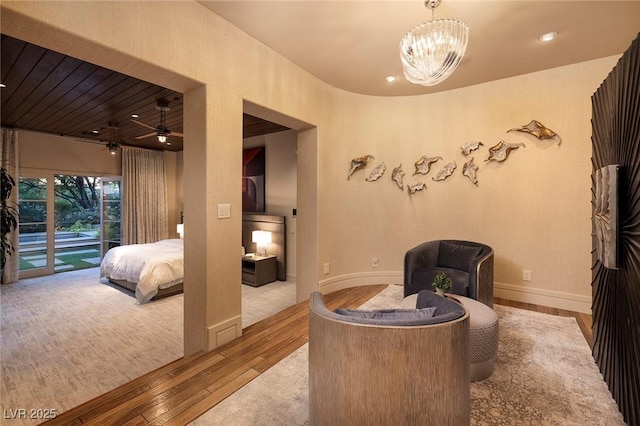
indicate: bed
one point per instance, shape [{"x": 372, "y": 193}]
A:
[{"x": 150, "y": 270}]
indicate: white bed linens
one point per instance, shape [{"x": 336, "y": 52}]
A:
[{"x": 151, "y": 266}]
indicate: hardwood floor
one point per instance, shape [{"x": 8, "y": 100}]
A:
[{"x": 185, "y": 389}]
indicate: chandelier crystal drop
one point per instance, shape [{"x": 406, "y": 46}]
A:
[{"x": 431, "y": 51}]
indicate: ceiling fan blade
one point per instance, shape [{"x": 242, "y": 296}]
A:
[
  {"x": 142, "y": 124},
  {"x": 180, "y": 135},
  {"x": 146, "y": 136}
]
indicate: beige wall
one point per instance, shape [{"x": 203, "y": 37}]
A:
[
  {"x": 534, "y": 209},
  {"x": 281, "y": 188},
  {"x": 42, "y": 152}
]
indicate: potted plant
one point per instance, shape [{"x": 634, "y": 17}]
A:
[
  {"x": 442, "y": 283},
  {"x": 8, "y": 216}
]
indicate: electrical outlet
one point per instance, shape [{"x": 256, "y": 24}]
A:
[
  {"x": 326, "y": 268},
  {"x": 526, "y": 275},
  {"x": 375, "y": 262}
]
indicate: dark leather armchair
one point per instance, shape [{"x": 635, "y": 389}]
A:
[{"x": 468, "y": 264}]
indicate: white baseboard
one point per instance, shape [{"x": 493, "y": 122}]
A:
[
  {"x": 359, "y": 279},
  {"x": 553, "y": 299},
  {"x": 223, "y": 332}
]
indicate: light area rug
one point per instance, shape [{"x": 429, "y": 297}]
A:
[
  {"x": 544, "y": 375},
  {"x": 67, "y": 338},
  {"x": 261, "y": 302}
]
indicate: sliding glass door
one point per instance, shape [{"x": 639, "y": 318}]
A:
[
  {"x": 77, "y": 222},
  {"x": 111, "y": 213},
  {"x": 66, "y": 222},
  {"x": 35, "y": 226}
]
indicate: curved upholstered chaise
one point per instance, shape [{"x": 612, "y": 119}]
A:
[
  {"x": 397, "y": 367},
  {"x": 483, "y": 334},
  {"x": 468, "y": 264}
]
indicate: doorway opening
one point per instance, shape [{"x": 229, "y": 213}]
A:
[{"x": 289, "y": 155}]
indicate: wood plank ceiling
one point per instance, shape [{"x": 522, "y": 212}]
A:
[{"x": 49, "y": 92}]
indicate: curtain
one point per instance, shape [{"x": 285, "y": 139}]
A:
[
  {"x": 144, "y": 206},
  {"x": 9, "y": 161}
]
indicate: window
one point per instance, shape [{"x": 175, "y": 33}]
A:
[
  {"x": 33, "y": 247},
  {"x": 111, "y": 213}
]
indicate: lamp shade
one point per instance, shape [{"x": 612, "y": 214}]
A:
[
  {"x": 261, "y": 238},
  {"x": 180, "y": 229}
]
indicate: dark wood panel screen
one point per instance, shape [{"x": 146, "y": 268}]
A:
[{"x": 616, "y": 293}]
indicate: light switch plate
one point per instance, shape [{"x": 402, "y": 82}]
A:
[{"x": 224, "y": 211}]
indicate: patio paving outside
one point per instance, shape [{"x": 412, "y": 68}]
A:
[{"x": 71, "y": 253}]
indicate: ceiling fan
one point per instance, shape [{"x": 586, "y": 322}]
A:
[
  {"x": 161, "y": 131},
  {"x": 112, "y": 145}
]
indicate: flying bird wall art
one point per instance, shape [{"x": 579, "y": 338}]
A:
[
  {"x": 538, "y": 130},
  {"x": 468, "y": 147},
  {"x": 500, "y": 151},
  {"x": 398, "y": 176},
  {"x": 376, "y": 173},
  {"x": 423, "y": 165},
  {"x": 415, "y": 187},
  {"x": 359, "y": 163},
  {"x": 446, "y": 171},
  {"x": 469, "y": 169}
]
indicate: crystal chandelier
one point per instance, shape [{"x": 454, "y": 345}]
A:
[{"x": 431, "y": 51}]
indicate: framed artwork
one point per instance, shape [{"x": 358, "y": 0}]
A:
[{"x": 253, "y": 180}]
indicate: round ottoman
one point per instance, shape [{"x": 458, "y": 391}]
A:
[{"x": 483, "y": 334}]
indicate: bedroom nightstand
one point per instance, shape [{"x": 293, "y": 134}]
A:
[{"x": 259, "y": 270}]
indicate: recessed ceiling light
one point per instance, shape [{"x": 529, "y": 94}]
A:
[
  {"x": 95, "y": 132},
  {"x": 134, "y": 115},
  {"x": 548, "y": 36},
  {"x": 390, "y": 78},
  {"x": 2, "y": 85}
]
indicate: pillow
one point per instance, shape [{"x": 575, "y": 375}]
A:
[
  {"x": 389, "y": 314},
  {"x": 457, "y": 256},
  {"x": 448, "y": 310}
]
